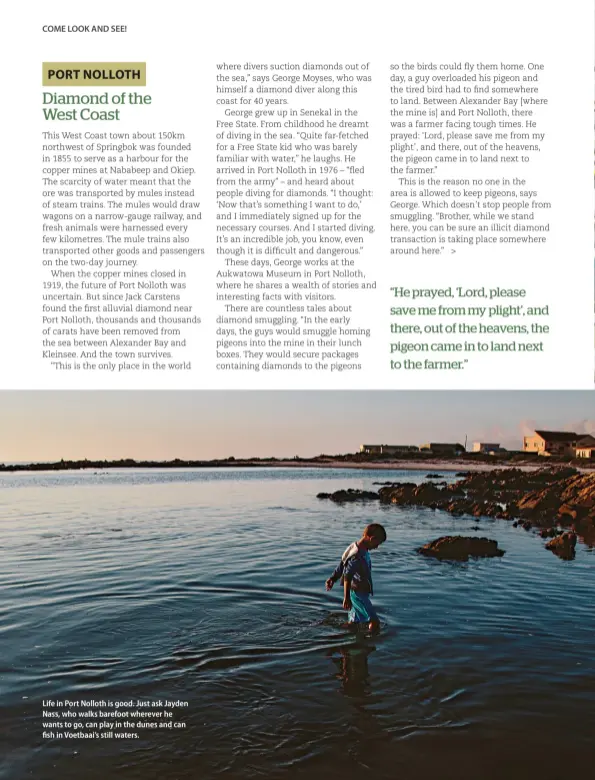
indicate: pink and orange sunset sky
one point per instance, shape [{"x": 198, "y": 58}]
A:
[{"x": 40, "y": 426}]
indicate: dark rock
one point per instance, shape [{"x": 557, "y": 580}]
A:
[
  {"x": 343, "y": 496},
  {"x": 568, "y": 510},
  {"x": 548, "y": 533},
  {"x": 461, "y": 548},
  {"x": 456, "y": 488},
  {"x": 398, "y": 494},
  {"x": 434, "y": 476},
  {"x": 563, "y": 545}
]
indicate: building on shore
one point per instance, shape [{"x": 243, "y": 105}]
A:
[
  {"x": 487, "y": 447},
  {"x": 549, "y": 443},
  {"x": 585, "y": 447},
  {"x": 388, "y": 449},
  {"x": 442, "y": 448}
]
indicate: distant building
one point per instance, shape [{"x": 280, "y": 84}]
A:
[
  {"x": 551, "y": 443},
  {"x": 387, "y": 449},
  {"x": 442, "y": 448},
  {"x": 487, "y": 447},
  {"x": 585, "y": 447}
]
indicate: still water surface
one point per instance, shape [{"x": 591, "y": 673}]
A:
[{"x": 208, "y": 586}]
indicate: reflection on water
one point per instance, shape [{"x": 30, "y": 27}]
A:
[
  {"x": 352, "y": 664},
  {"x": 209, "y": 587}
]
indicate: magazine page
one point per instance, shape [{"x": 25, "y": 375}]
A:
[{"x": 298, "y": 434}]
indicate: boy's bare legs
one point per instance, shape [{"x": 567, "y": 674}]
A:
[{"x": 373, "y": 625}]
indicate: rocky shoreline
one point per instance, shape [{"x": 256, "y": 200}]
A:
[{"x": 549, "y": 500}]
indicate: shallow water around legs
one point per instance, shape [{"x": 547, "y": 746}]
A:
[{"x": 207, "y": 586}]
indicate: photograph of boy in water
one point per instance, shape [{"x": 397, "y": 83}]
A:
[{"x": 355, "y": 570}]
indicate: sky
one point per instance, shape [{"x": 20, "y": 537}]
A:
[{"x": 47, "y": 426}]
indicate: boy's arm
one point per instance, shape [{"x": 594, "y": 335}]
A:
[
  {"x": 336, "y": 575},
  {"x": 347, "y": 594}
]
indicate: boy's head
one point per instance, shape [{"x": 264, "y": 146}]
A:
[{"x": 374, "y": 534}]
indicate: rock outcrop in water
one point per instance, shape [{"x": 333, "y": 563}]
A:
[
  {"x": 563, "y": 545},
  {"x": 549, "y": 499},
  {"x": 461, "y": 548},
  {"x": 342, "y": 496}
]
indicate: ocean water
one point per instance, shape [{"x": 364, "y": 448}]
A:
[{"x": 207, "y": 586}]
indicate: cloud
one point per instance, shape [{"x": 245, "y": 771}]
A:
[
  {"x": 585, "y": 426},
  {"x": 527, "y": 427}
]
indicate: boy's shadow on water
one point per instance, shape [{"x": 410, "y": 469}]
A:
[
  {"x": 352, "y": 665},
  {"x": 352, "y": 660}
]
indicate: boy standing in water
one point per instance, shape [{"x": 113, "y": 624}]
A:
[{"x": 355, "y": 570}]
